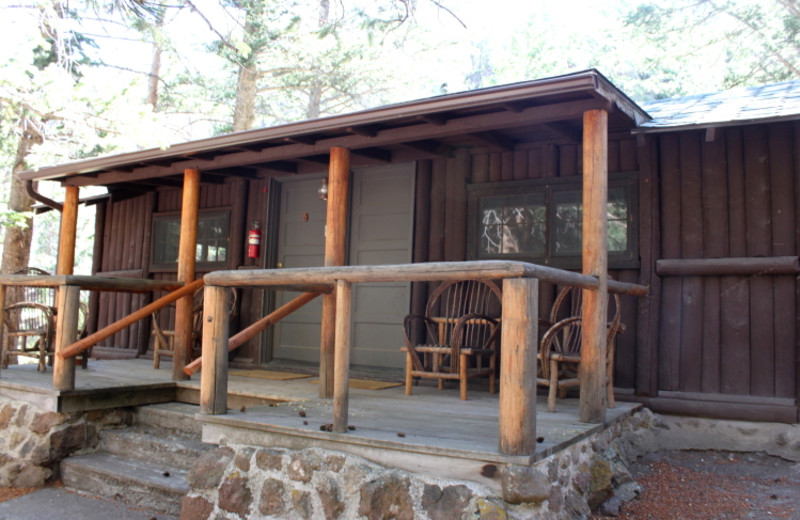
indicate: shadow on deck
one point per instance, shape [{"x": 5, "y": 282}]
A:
[{"x": 430, "y": 432}]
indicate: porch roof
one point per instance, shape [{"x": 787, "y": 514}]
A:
[{"x": 495, "y": 117}]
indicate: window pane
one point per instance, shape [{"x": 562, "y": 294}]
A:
[
  {"x": 212, "y": 238},
  {"x": 513, "y": 225},
  {"x": 617, "y": 215},
  {"x": 567, "y": 223}
]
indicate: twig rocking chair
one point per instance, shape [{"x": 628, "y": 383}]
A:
[{"x": 462, "y": 322}]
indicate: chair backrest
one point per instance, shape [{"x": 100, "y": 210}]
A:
[
  {"x": 456, "y": 299},
  {"x": 42, "y": 295},
  {"x": 568, "y": 306}
]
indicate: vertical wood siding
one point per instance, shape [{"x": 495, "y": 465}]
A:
[{"x": 734, "y": 196}]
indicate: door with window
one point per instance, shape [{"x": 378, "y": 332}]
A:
[{"x": 380, "y": 232}]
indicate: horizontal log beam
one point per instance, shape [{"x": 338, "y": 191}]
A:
[
  {"x": 744, "y": 266},
  {"x": 247, "y": 334},
  {"x": 457, "y": 126},
  {"x": 90, "y": 283}
]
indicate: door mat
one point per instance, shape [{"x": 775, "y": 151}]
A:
[
  {"x": 367, "y": 384},
  {"x": 268, "y": 374}
]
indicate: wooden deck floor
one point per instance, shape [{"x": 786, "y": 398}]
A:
[{"x": 431, "y": 431}]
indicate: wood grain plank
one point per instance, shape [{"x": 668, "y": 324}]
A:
[
  {"x": 535, "y": 163},
  {"x": 520, "y": 164},
  {"x": 568, "y": 160},
  {"x": 784, "y": 242},
  {"x": 480, "y": 168},
  {"x": 628, "y": 156},
  {"x": 691, "y": 194},
  {"x": 495, "y": 166},
  {"x": 759, "y": 243},
  {"x": 438, "y": 188},
  {"x": 507, "y": 168}
]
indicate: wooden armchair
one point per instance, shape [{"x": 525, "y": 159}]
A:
[
  {"x": 29, "y": 332},
  {"x": 164, "y": 339},
  {"x": 462, "y": 324},
  {"x": 560, "y": 348}
]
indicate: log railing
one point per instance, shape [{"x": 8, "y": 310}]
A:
[
  {"x": 264, "y": 323},
  {"x": 68, "y": 301},
  {"x": 517, "y": 414}
]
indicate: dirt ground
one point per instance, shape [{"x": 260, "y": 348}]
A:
[{"x": 709, "y": 485}]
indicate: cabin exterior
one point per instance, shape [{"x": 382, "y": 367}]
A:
[{"x": 702, "y": 209}]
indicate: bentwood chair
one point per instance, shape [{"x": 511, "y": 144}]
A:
[
  {"x": 462, "y": 326},
  {"x": 560, "y": 348}
]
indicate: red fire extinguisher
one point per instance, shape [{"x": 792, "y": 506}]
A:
[{"x": 254, "y": 241}]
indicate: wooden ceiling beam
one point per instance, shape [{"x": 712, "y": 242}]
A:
[
  {"x": 432, "y": 119},
  {"x": 429, "y": 146},
  {"x": 513, "y": 107},
  {"x": 301, "y": 139},
  {"x": 401, "y": 135},
  {"x": 495, "y": 139},
  {"x": 377, "y": 154},
  {"x": 566, "y": 130},
  {"x": 364, "y": 130}
]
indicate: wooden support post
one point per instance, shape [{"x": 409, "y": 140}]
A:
[
  {"x": 68, "y": 301},
  {"x": 335, "y": 241},
  {"x": 214, "y": 378},
  {"x": 67, "y": 298},
  {"x": 518, "y": 366},
  {"x": 186, "y": 264},
  {"x": 69, "y": 226},
  {"x": 592, "y": 371},
  {"x": 342, "y": 355}
]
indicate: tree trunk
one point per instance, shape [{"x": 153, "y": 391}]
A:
[
  {"x": 152, "y": 81},
  {"x": 244, "y": 112},
  {"x": 17, "y": 240}
]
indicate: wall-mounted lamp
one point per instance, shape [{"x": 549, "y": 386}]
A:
[{"x": 322, "y": 191}]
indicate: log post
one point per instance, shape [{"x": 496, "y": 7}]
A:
[
  {"x": 69, "y": 227},
  {"x": 68, "y": 301},
  {"x": 186, "y": 273},
  {"x": 341, "y": 381},
  {"x": 67, "y": 297},
  {"x": 214, "y": 377},
  {"x": 518, "y": 349},
  {"x": 592, "y": 371},
  {"x": 335, "y": 241}
]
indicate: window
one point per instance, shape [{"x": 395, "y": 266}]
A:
[
  {"x": 541, "y": 221},
  {"x": 213, "y": 239}
]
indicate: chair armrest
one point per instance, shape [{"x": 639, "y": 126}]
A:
[
  {"x": 546, "y": 345},
  {"x": 458, "y": 329}
]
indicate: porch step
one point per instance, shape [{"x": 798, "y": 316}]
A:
[
  {"x": 143, "y": 465},
  {"x": 135, "y": 483},
  {"x": 153, "y": 446},
  {"x": 172, "y": 417}
]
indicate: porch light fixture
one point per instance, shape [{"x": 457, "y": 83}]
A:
[{"x": 322, "y": 191}]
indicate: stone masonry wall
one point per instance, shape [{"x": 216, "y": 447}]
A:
[
  {"x": 234, "y": 482},
  {"x": 33, "y": 441}
]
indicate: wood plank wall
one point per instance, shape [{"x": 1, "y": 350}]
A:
[
  {"x": 444, "y": 209},
  {"x": 126, "y": 252},
  {"x": 733, "y": 196}
]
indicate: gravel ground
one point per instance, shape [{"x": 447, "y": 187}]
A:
[{"x": 708, "y": 485}]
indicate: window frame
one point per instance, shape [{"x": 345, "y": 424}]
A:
[
  {"x": 167, "y": 216},
  {"x": 628, "y": 259}
]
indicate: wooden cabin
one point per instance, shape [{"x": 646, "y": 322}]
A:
[{"x": 702, "y": 191}]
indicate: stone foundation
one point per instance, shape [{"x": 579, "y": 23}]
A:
[
  {"x": 33, "y": 441},
  {"x": 237, "y": 481}
]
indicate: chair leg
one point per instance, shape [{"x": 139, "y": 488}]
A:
[
  {"x": 437, "y": 364},
  {"x": 551, "y": 398},
  {"x": 462, "y": 377},
  {"x": 409, "y": 368}
]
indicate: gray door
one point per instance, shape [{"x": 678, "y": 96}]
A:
[
  {"x": 380, "y": 232},
  {"x": 301, "y": 243}
]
